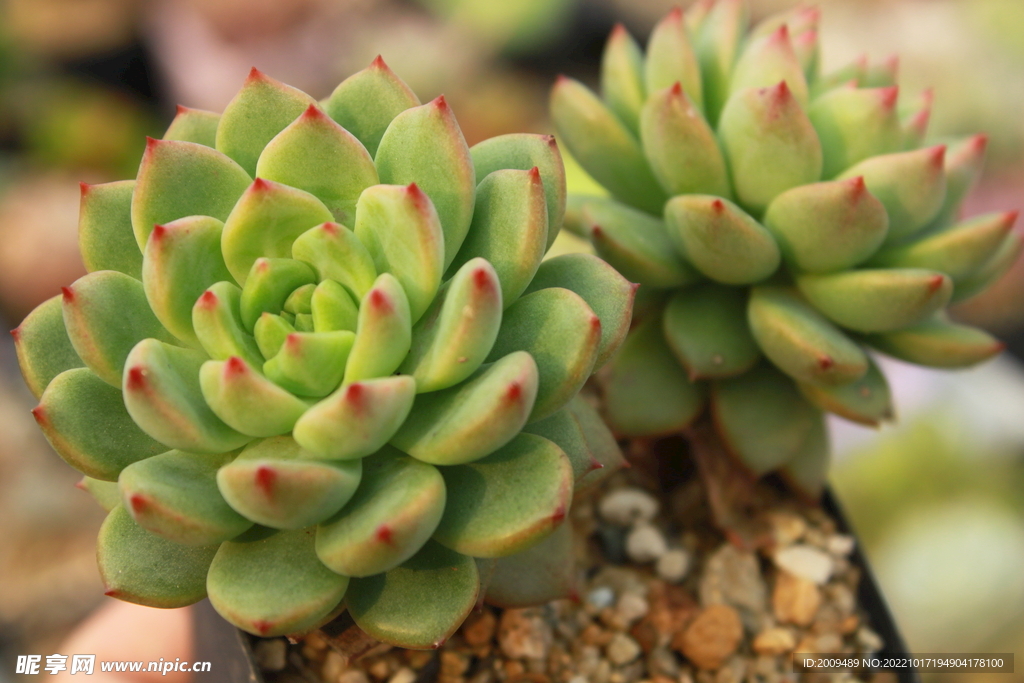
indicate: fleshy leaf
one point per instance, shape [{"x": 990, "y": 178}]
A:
[
  {"x": 217, "y": 320},
  {"x": 383, "y": 333},
  {"x": 765, "y": 62},
  {"x": 565, "y": 431},
  {"x": 357, "y": 419},
  {"x": 85, "y": 421},
  {"x": 646, "y": 390},
  {"x": 105, "y": 235},
  {"x": 509, "y": 229},
  {"x": 769, "y": 144},
  {"x": 42, "y": 345},
  {"x": 911, "y": 186},
  {"x": 855, "y": 124},
  {"x": 455, "y": 335},
  {"x": 622, "y": 77},
  {"x": 562, "y": 333},
  {"x": 508, "y": 501},
  {"x": 260, "y": 110},
  {"x": 175, "y": 495},
  {"x": 265, "y": 222},
  {"x": 106, "y": 314},
  {"x": 762, "y": 418},
  {"x": 680, "y": 145},
  {"x": 178, "y": 179},
  {"x": 866, "y": 401},
  {"x": 636, "y": 244},
  {"x": 938, "y": 343},
  {"x": 607, "y": 293},
  {"x": 716, "y": 43},
  {"x": 963, "y": 166},
  {"x": 162, "y": 394},
  {"x": 367, "y": 102},
  {"x": 270, "y": 332},
  {"x": 706, "y": 328},
  {"x": 671, "y": 59},
  {"x": 246, "y": 400},
  {"x": 402, "y": 233},
  {"x": 317, "y": 155},
  {"x": 335, "y": 253},
  {"x": 274, "y": 483},
  {"x": 807, "y": 471},
  {"x": 825, "y": 227},
  {"x": 537, "y": 575},
  {"x": 600, "y": 441},
  {"x": 311, "y": 363},
  {"x": 604, "y": 146},
  {"x": 141, "y": 567},
  {"x": 720, "y": 239},
  {"x": 524, "y": 151},
  {"x": 332, "y": 308},
  {"x": 1008, "y": 253},
  {"x": 275, "y": 585},
  {"x": 959, "y": 251},
  {"x": 194, "y": 125},
  {"x": 105, "y": 493},
  {"x": 269, "y": 285},
  {"x": 474, "y": 418},
  {"x": 877, "y": 300},
  {"x": 394, "y": 511},
  {"x": 419, "y": 604},
  {"x": 424, "y": 145},
  {"x": 801, "y": 341},
  {"x": 182, "y": 259}
]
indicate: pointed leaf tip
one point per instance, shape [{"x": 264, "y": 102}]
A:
[
  {"x": 378, "y": 63},
  {"x": 136, "y": 379},
  {"x": 675, "y": 14},
  {"x": 68, "y": 294},
  {"x": 938, "y": 156},
  {"x": 84, "y": 187},
  {"x": 16, "y": 333},
  {"x": 158, "y": 232},
  {"x": 440, "y": 102},
  {"x": 255, "y": 75},
  {"x": 889, "y": 96},
  {"x": 39, "y": 415}
]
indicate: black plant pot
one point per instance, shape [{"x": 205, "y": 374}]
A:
[{"x": 230, "y": 654}]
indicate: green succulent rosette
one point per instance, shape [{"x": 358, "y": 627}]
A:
[
  {"x": 319, "y": 363},
  {"x": 781, "y": 224}
]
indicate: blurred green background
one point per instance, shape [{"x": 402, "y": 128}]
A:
[{"x": 938, "y": 500}]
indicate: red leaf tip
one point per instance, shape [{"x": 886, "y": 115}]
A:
[
  {"x": 260, "y": 185},
  {"x": 718, "y": 206},
  {"x": 67, "y": 294},
  {"x": 535, "y": 175},
  {"x": 1009, "y": 218},
  {"x": 158, "y": 232},
  {"x": 84, "y": 187},
  {"x": 514, "y": 391},
  {"x": 677, "y": 89},
  {"x": 937, "y": 156},
  {"x": 330, "y": 228},
  {"x": 781, "y": 91},
  {"x": 674, "y": 14},
  {"x": 138, "y": 503},
  {"x": 440, "y": 102},
  {"x": 889, "y": 96},
  {"x": 618, "y": 31},
  {"x": 111, "y": 593},
  {"x": 378, "y": 63},
  {"x": 385, "y": 534},
  {"x": 255, "y": 75},
  {"x": 858, "y": 186},
  {"x": 136, "y": 378},
  {"x": 354, "y": 393},
  {"x": 481, "y": 278},
  {"x": 208, "y": 299},
  {"x": 595, "y": 324},
  {"x": 293, "y": 341},
  {"x": 16, "y": 333},
  {"x": 558, "y": 515},
  {"x": 979, "y": 143},
  {"x": 379, "y": 300},
  {"x": 39, "y": 414},
  {"x": 935, "y": 283},
  {"x": 781, "y": 34},
  {"x": 561, "y": 80},
  {"x": 180, "y": 109},
  {"x": 262, "y": 625},
  {"x": 265, "y": 478},
  {"x": 151, "y": 143},
  {"x": 826, "y": 362},
  {"x": 439, "y": 644},
  {"x": 234, "y": 366}
]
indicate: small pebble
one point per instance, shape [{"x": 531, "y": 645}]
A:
[
  {"x": 774, "y": 641},
  {"x": 334, "y": 664},
  {"x": 353, "y": 676},
  {"x": 673, "y": 565},
  {"x": 578, "y": 679},
  {"x": 869, "y": 640},
  {"x": 271, "y": 654},
  {"x": 806, "y": 562},
  {"x": 840, "y": 544},
  {"x": 645, "y": 543},
  {"x": 523, "y": 633},
  {"x": 622, "y": 649},
  {"x": 403, "y": 675},
  {"x": 629, "y": 506},
  {"x": 712, "y": 637},
  {"x": 795, "y": 600},
  {"x": 630, "y": 607},
  {"x": 601, "y": 597},
  {"x": 787, "y": 528}
]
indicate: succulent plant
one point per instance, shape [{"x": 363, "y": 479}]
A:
[
  {"x": 316, "y": 364},
  {"x": 780, "y": 223}
]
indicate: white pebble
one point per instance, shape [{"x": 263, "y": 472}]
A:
[
  {"x": 673, "y": 565},
  {"x": 627, "y": 507},
  {"x": 578, "y": 679},
  {"x": 631, "y": 606},
  {"x": 622, "y": 649},
  {"x": 840, "y": 544},
  {"x": 403, "y": 675},
  {"x": 869, "y": 640},
  {"x": 806, "y": 562},
  {"x": 645, "y": 544},
  {"x": 601, "y": 597}
]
